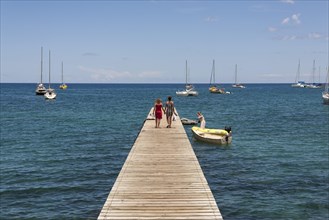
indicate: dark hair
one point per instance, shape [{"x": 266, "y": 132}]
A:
[{"x": 169, "y": 98}]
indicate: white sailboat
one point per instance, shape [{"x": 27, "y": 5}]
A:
[
  {"x": 50, "y": 94},
  {"x": 237, "y": 85},
  {"x": 313, "y": 85},
  {"x": 189, "y": 88},
  {"x": 298, "y": 83},
  {"x": 213, "y": 88},
  {"x": 325, "y": 93},
  {"x": 41, "y": 89},
  {"x": 63, "y": 85}
]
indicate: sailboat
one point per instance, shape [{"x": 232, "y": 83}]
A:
[
  {"x": 63, "y": 85},
  {"x": 41, "y": 89},
  {"x": 189, "y": 88},
  {"x": 50, "y": 94},
  {"x": 325, "y": 93},
  {"x": 313, "y": 85},
  {"x": 237, "y": 85},
  {"x": 298, "y": 84},
  {"x": 213, "y": 88}
]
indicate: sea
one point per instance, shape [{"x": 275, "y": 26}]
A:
[{"x": 60, "y": 158}]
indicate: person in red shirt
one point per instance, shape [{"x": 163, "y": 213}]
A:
[{"x": 157, "y": 112}]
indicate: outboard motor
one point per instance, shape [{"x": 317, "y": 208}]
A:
[{"x": 228, "y": 129}]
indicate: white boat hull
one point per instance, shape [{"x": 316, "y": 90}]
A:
[
  {"x": 239, "y": 86},
  {"x": 187, "y": 93},
  {"x": 50, "y": 94},
  {"x": 325, "y": 97},
  {"x": 186, "y": 121},
  {"x": 298, "y": 85},
  {"x": 40, "y": 90},
  {"x": 211, "y": 138}
]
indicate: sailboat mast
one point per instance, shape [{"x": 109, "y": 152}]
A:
[
  {"x": 313, "y": 71},
  {"x": 236, "y": 73},
  {"x": 298, "y": 72},
  {"x": 49, "y": 70},
  {"x": 327, "y": 81},
  {"x": 213, "y": 69},
  {"x": 186, "y": 73},
  {"x": 41, "y": 62},
  {"x": 62, "y": 74}
]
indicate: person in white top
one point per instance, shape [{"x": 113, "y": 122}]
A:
[{"x": 201, "y": 120}]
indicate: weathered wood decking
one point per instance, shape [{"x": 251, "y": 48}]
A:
[{"x": 161, "y": 179}]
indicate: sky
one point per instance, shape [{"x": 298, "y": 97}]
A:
[{"x": 149, "y": 41}]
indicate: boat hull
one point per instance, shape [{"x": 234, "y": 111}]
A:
[
  {"x": 40, "y": 90},
  {"x": 186, "y": 121},
  {"x": 50, "y": 94},
  {"x": 211, "y": 136},
  {"x": 63, "y": 86},
  {"x": 238, "y": 86},
  {"x": 187, "y": 93},
  {"x": 325, "y": 98}
]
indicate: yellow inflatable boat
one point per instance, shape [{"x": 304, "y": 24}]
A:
[{"x": 213, "y": 136}]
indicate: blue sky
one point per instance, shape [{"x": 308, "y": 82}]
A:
[{"x": 149, "y": 41}]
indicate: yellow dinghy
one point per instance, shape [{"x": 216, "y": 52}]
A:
[{"x": 213, "y": 136}]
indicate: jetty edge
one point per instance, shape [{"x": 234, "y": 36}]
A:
[{"x": 161, "y": 178}]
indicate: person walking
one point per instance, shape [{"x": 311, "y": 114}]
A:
[
  {"x": 169, "y": 111},
  {"x": 157, "y": 112}
]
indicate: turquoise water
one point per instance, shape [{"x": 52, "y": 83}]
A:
[{"x": 59, "y": 158}]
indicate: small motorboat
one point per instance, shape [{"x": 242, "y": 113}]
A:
[
  {"x": 213, "y": 136},
  {"x": 186, "y": 121}
]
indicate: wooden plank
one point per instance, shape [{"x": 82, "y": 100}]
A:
[{"x": 161, "y": 179}]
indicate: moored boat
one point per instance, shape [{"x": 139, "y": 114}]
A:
[
  {"x": 236, "y": 84},
  {"x": 325, "y": 93},
  {"x": 41, "y": 89},
  {"x": 50, "y": 94},
  {"x": 186, "y": 121},
  {"x": 189, "y": 88},
  {"x": 213, "y": 87},
  {"x": 213, "y": 136},
  {"x": 298, "y": 83},
  {"x": 63, "y": 85}
]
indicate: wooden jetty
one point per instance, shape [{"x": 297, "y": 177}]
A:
[{"x": 161, "y": 179}]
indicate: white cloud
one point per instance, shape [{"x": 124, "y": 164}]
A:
[
  {"x": 314, "y": 36},
  {"x": 89, "y": 54},
  {"x": 287, "y": 37},
  {"x": 110, "y": 75},
  {"x": 150, "y": 74},
  {"x": 105, "y": 74},
  {"x": 293, "y": 19},
  {"x": 272, "y": 29},
  {"x": 285, "y": 21},
  {"x": 211, "y": 19},
  {"x": 288, "y": 1}
]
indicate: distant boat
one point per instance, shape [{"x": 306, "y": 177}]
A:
[
  {"x": 325, "y": 93},
  {"x": 237, "y": 85},
  {"x": 41, "y": 89},
  {"x": 63, "y": 85},
  {"x": 298, "y": 83},
  {"x": 213, "y": 87},
  {"x": 313, "y": 85},
  {"x": 50, "y": 94},
  {"x": 189, "y": 88}
]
